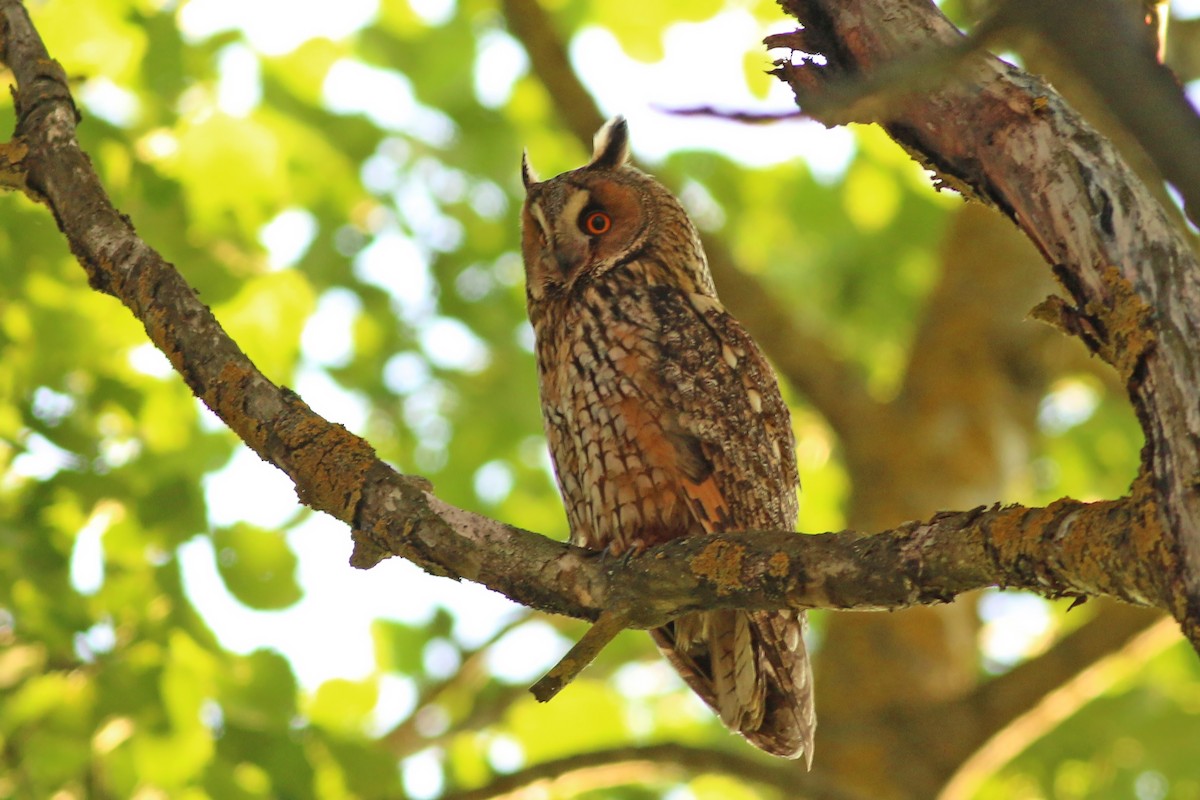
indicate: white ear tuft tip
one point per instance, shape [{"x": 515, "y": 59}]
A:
[
  {"x": 528, "y": 176},
  {"x": 610, "y": 146}
]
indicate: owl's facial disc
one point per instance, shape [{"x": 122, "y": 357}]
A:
[
  {"x": 572, "y": 248},
  {"x": 577, "y": 226},
  {"x": 562, "y": 241}
]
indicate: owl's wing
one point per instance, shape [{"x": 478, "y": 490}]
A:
[
  {"x": 735, "y": 460},
  {"x": 726, "y": 418}
]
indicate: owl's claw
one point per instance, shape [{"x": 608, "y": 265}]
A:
[
  {"x": 623, "y": 551},
  {"x": 636, "y": 548}
]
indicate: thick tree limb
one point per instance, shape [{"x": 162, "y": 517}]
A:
[
  {"x": 1142, "y": 93},
  {"x": 1006, "y": 137}
]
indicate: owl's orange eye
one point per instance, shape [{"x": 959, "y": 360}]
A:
[{"x": 597, "y": 222}]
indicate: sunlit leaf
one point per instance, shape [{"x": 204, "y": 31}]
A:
[
  {"x": 399, "y": 647},
  {"x": 342, "y": 705},
  {"x": 585, "y": 715},
  {"x": 257, "y": 566},
  {"x": 258, "y": 691}
]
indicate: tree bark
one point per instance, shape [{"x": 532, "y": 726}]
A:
[{"x": 1134, "y": 287}]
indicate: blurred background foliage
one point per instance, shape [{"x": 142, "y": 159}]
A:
[{"x": 339, "y": 182}]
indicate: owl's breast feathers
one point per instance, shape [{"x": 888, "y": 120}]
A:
[{"x": 663, "y": 418}]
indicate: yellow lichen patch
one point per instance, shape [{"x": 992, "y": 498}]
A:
[
  {"x": 13, "y": 152},
  {"x": 778, "y": 565},
  {"x": 227, "y": 398},
  {"x": 1006, "y": 531},
  {"x": 721, "y": 563},
  {"x": 1127, "y": 318},
  {"x": 1074, "y": 546},
  {"x": 1146, "y": 532},
  {"x": 335, "y": 460},
  {"x": 12, "y": 171}
]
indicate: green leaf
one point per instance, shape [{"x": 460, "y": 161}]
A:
[
  {"x": 258, "y": 691},
  {"x": 266, "y": 318},
  {"x": 757, "y": 66},
  {"x": 550, "y": 730},
  {"x": 399, "y": 647},
  {"x": 249, "y": 160},
  {"x": 343, "y": 706},
  {"x": 257, "y": 565}
]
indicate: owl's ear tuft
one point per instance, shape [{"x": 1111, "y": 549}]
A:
[
  {"x": 610, "y": 147},
  {"x": 528, "y": 176}
]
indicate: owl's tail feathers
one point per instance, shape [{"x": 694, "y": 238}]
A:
[{"x": 753, "y": 670}]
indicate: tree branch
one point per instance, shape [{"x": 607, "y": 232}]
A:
[
  {"x": 621, "y": 766},
  {"x": 1143, "y": 94},
  {"x": 1030, "y": 703},
  {"x": 808, "y": 363},
  {"x": 1006, "y": 137},
  {"x": 1068, "y": 548}
]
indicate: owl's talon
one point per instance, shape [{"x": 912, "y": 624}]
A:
[
  {"x": 612, "y": 550},
  {"x": 635, "y": 549}
]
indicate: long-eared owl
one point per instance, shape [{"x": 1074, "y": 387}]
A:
[{"x": 663, "y": 418}]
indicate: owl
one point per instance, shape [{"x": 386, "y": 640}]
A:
[{"x": 663, "y": 418}]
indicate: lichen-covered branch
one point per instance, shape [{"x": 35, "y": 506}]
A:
[
  {"x": 1143, "y": 94},
  {"x": 1133, "y": 284}
]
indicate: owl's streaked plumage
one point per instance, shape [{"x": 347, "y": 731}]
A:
[{"x": 663, "y": 418}]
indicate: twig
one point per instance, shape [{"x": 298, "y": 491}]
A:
[
  {"x": 576, "y": 774},
  {"x": 749, "y": 117},
  {"x": 584, "y": 652}
]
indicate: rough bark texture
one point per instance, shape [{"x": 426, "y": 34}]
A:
[{"x": 1133, "y": 282}]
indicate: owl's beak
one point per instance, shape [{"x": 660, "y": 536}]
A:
[{"x": 570, "y": 252}]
